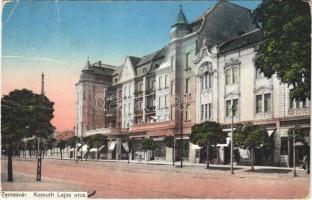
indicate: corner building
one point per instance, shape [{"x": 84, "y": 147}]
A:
[{"x": 207, "y": 66}]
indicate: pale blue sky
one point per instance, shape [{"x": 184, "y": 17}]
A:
[{"x": 71, "y": 31}]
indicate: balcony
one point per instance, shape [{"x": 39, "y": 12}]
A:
[
  {"x": 138, "y": 94},
  {"x": 150, "y": 91},
  {"x": 138, "y": 112}
]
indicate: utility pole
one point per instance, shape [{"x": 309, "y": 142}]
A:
[
  {"x": 232, "y": 141},
  {"x": 181, "y": 135},
  {"x": 39, "y": 162},
  {"x": 294, "y": 152}
]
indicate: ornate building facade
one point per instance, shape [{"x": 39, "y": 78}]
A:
[{"x": 207, "y": 67}]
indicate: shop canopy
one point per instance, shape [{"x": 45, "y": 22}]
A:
[
  {"x": 112, "y": 146},
  {"x": 125, "y": 146}
]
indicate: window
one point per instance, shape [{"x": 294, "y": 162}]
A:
[
  {"x": 258, "y": 103},
  {"x": 141, "y": 87},
  {"x": 196, "y": 46},
  {"x": 206, "y": 111},
  {"x": 172, "y": 113},
  {"x": 263, "y": 103},
  {"x": 160, "y": 82},
  {"x": 267, "y": 103},
  {"x": 209, "y": 110},
  {"x": 187, "y": 112},
  {"x": 159, "y": 102},
  {"x": 125, "y": 105},
  {"x": 235, "y": 107},
  {"x": 228, "y": 77},
  {"x": 228, "y": 107},
  {"x": 206, "y": 80},
  {"x": 172, "y": 87},
  {"x": 202, "y": 112},
  {"x": 284, "y": 145},
  {"x": 165, "y": 100},
  {"x": 210, "y": 80},
  {"x": 188, "y": 60},
  {"x": 166, "y": 80},
  {"x": 129, "y": 90},
  {"x": 129, "y": 108},
  {"x": 235, "y": 75},
  {"x": 171, "y": 63},
  {"x": 201, "y": 82},
  {"x": 232, "y": 76},
  {"x": 187, "y": 85},
  {"x": 153, "y": 84}
]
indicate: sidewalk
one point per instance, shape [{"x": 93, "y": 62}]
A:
[{"x": 177, "y": 163}]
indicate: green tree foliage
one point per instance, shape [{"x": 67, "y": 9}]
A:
[
  {"x": 24, "y": 114},
  {"x": 297, "y": 132},
  {"x": 98, "y": 141},
  {"x": 169, "y": 142},
  {"x": 286, "y": 50},
  {"x": 250, "y": 136},
  {"x": 148, "y": 144},
  {"x": 61, "y": 145},
  {"x": 206, "y": 134}
]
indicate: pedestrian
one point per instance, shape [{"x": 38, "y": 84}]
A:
[{"x": 307, "y": 157}]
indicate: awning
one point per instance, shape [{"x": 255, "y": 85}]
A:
[
  {"x": 195, "y": 147},
  {"x": 244, "y": 153},
  {"x": 228, "y": 141},
  {"x": 270, "y": 132},
  {"x": 112, "y": 146},
  {"x": 125, "y": 146},
  {"x": 72, "y": 149},
  {"x": 101, "y": 147},
  {"x": 84, "y": 148},
  {"x": 93, "y": 150},
  {"x": 299, "y": 144}
]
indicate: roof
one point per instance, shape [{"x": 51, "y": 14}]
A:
[
  {"x": 63, "y": 135},
  {"x": 223, "y": 22},
  {"x": 241, "y": 41},
  {"x": 181, "y": 19}
]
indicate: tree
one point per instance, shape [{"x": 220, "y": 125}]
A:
[
  {"x": 61, "y": 145},
  {"x": 250, "y": 136},
  {"x": 24, "y": 114},
  {"x": 286, "y": 50},
  {"x": 206, "y": 134},
  {"x": 98, "y": 141},
  {"x": 48, "y": 143},
  {"x": 148, "y": 144},
  {"x": 72, "y": 142},
  {"x": 169, "y": 142}
]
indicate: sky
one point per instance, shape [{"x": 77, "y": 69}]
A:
[{"x": 56, "y": 37}]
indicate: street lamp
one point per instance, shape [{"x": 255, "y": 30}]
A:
[
  {"x": 181, "y": 135},
  {"x": 232, "y": 141}
]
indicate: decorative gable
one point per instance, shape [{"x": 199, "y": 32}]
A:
[{"x": 127, "y": 72}]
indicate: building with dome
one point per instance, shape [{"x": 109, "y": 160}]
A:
[{"x": 207, "y": 66}]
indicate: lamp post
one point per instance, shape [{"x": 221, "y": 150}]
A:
[
  {"x": 232, "y": 141},
  {"x": 294, "y": 152},
  {"x": 181, "y": 135}
]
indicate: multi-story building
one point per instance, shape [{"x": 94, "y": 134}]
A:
[{"x": 207, "y": 67}]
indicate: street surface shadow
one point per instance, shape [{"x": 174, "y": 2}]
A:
[
  {"x": 223, "y": 168},
  {"x": 278, "y": 171}
]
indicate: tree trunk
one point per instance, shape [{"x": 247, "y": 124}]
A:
[
  {"x": 207, "y": 154},
  {"x": 10, "y": 166},
  {"x": 61, "y": 154},
  {"x": 173, "y": 156},
  {"x": 252, "y": 159},
  {"x": 98, "y": 153},
  {"x": 87, "y": 154}
]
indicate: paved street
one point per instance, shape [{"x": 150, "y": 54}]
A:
[{"x": 123, "y": 180}]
